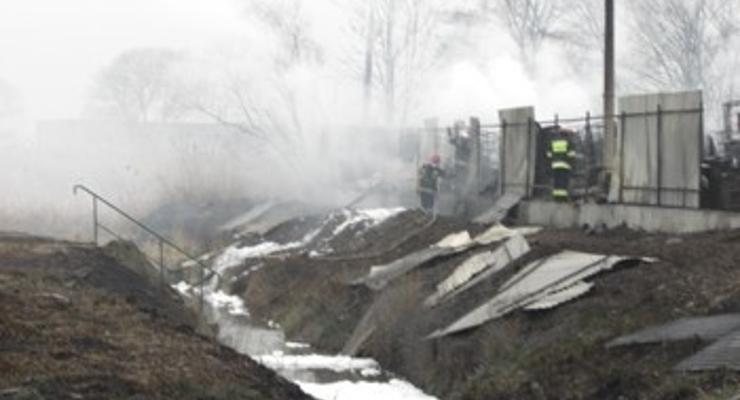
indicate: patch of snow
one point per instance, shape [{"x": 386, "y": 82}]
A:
[
  {"x": 315, "y": 254},
  {"x": 234, "y": 305},
  {"x": 183, "y": 288},
  {"x": 297, "y": 345},
  {"x": 369, "y": 217},
  {"x": 278, "y": 360},
  {"x": 370, "y": 372},
  {"x": 345, "y": 390},
  {"x": 235, "y": 255}
]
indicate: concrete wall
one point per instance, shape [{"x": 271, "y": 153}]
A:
[{"x": 646, "y": 218}]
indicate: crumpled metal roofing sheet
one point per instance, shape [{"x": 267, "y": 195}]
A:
[
  {"x": 560, "y": 297},
  {"x": 380, "y": 276},
  {"x": 499, "y": 210},
  {"x": 704, "y": 328},
  {"x": 499, "y": 232},
  {"x": 454, "y": 243},
  {"x": 725, "y": 353},
  {"x": 534, "y": 284},
  {"x": 477, "y": 268}
]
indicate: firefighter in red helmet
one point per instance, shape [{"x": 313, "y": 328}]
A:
[{"x": 428, "y": 182}]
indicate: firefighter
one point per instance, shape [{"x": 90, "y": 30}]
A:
[
  {"x": 428, "y": 182},
  {"x": 561, "y": 155}
]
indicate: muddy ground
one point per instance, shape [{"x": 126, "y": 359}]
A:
[
  {"x": 557, "y": 354},
  {"x": 76, "y": 324}
]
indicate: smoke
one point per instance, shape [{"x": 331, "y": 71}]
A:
[{"x": 276, "y": 103}]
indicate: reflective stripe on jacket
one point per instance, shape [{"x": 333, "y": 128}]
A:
[{"x": 561, "y": 154}]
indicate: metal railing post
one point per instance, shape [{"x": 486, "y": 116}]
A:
[
  {"x": 202, "y": 287},
  {"x": 588, "y": 163},
  {"x": 161, "y": 264},
  {"x": 161, "y": 240},
  {"x": 502, "y": 159},
  {"x": 95, "y": 220},
  {"x": 528, "y": 171},
  {"x": 622, "y": 134},
  {"x": 659, "y": 155}
]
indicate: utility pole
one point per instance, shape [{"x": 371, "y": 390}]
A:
[{"x": 610, "y": 134}]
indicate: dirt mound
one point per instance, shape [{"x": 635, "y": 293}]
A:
[
  {"x": 76, "y": 324},
  {"x": 310, "y": 296}
]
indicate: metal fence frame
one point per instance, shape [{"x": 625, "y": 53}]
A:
[{"x": 589, "y": 122}]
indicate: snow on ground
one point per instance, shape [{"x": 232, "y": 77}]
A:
[
  {"x": 297, "y": 345},
  {"x": 234, "y": 305},
  {"x": 369, "y": 217},
  {"x": 235, "y": 255},
  {"x": 183, "y": 288},
  {"x": 346, "y": 390},
  {"x": 278, "y": 360}
]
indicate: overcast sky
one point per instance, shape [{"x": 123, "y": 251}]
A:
[{"x": 51, "y": 49}]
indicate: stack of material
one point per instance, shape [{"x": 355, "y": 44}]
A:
[
  {"x": 456, "y": 243},
  {"x": 543, "y": 284},
  {"x": 478, "y": 268}
]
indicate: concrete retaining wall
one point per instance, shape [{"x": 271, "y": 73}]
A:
[{"x": 646, "y": 218}]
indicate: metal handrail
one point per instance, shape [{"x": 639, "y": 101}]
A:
[{"x": 162, "y": 241}]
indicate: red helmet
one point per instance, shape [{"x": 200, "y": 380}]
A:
[{"x": 435, "y": 159}]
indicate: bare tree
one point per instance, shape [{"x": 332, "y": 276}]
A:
[
  {"x": 139, "y": 85},
  {"x": 582, "y": 32},
  {"x": 530, "y": 23},
  {"x": 679, "y": 43},
  {"x": 288, "y": 22},
  {"x": 396, "y": 45}
]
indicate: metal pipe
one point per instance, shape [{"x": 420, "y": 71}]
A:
[
  {"x": 502, "y": 158},
  {"x": 609, "y": 83}
]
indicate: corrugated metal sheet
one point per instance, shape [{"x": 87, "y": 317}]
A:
[
  {"x": 381, "y": 275},
  {"x": 535, "y": 283},
  {"x": 456, "y": 240},
  {"x": 563, "y": 296},
  {"x": 477, "y": 268},
  {"x": 499, "y": 232},
  {"x": 704, "y": 328},
  {"x": 724, "y": 353},
  {"x": 499, "y": 210}
]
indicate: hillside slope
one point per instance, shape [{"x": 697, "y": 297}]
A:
[{"x": 76, "y": 324}]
